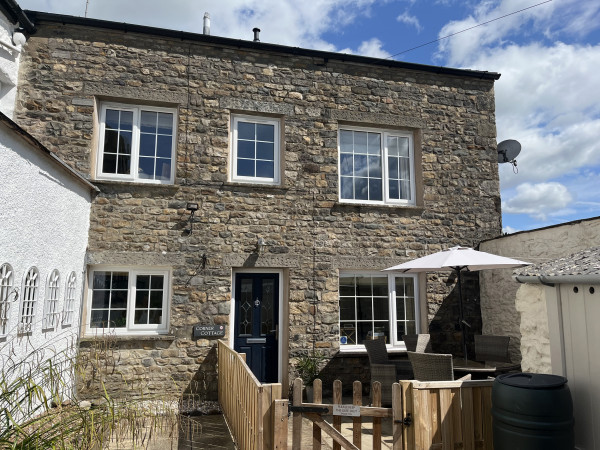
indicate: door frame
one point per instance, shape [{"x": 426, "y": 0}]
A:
[{"x": 280, "y": 273}]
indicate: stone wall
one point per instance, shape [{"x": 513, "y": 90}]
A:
[
  {"x": 67, "y": 69},
  {"x": 520, "y": 311}
]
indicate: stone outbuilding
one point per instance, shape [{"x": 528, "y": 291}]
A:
[
  {"x": 570, "y": 289},
  {"x": 518, "y": 310},
  {"x": 254, "y": 192}
]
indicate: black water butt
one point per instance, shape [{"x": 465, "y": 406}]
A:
[{"x": 532, "y": 412}]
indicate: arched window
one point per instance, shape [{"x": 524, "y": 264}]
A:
[
  {"x": 6, "y": 288},
  {"x": 31, "y": 285},
  {"x": 70, "y": 294},
  {"x": 51, "y": 313}
]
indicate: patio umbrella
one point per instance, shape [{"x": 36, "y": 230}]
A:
[{"x": 458, "y": 259}]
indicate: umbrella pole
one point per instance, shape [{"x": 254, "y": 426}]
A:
[{"x": 460, "y": 309}]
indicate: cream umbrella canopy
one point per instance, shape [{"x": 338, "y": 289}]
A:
[{"x": 458, "y": 259}]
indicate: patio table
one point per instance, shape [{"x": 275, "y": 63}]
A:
[{"x": 481, "y": 369}]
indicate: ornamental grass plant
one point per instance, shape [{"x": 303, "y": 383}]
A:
[{"x": 40, "y": 409}]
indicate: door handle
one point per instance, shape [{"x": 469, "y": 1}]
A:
[{"x": 275, "y": 332}]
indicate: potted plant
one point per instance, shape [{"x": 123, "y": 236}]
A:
[{"x": 308, "y": 367}]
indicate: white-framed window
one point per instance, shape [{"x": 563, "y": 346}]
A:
[
  {"x": 376, "y": 166},
  {"x": 51, "y": 313},
  {"x": 124, "y": 300},
  {"x": 255, "y": 150},
  {"x": 70, "y": 298},
  {"x": 375, "y": 305},
  {"x": 31, "y": 285},
  {"x": 6, "y": 292},
  {"x": 137, "y": 143}
]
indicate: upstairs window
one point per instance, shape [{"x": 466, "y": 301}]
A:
[
  {"x": 70, "y": 298},
  {"x": 136, "y": 144},
  {"x": 128, "y": 301},
  {"x": 255, "y": 150},
  {"x": 376, "y": 166},
  {"x": 6, "y": 293},
  {"x": 51, "y": 313},
  {"x": 29, "y": 299}
]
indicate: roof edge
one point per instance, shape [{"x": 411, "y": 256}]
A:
[
  {"x": 37, "y": 16},
  {"x": 35, "y": 143},
  {"x": 12, "y": 9},
  {"x": 533, "y": 230},
  {"x": 551, "y": 280}
]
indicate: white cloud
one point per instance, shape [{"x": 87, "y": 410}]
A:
[
  {"x": 539, "y": 200},
  {"x": 509, "y": 230},
  {"x": 286, "y": 22},
  {"x": 547, "y": 97},
  {"x": 373, "y": 48},
  {"x": 407, "y": 19}
]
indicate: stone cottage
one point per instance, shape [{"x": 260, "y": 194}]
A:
[{"x": 255, "y": 191}]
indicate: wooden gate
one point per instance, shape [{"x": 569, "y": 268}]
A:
[
  {"x": 317, "y": 409},
  {"x": 435, "y": 415},
  {"x": 448, "y": 415}
]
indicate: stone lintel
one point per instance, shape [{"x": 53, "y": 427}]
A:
[
  {"x": 376, "y": 119},
  {"x": 254, "y": 260},
  {"x": 240, "y": 104},
  {"x": 363, "y": 262},
  {"x": 133, "y": 258},
  {"x": 138, "y": 94}
]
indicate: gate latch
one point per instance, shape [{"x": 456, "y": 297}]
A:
[{"x": 407, "y": 421}]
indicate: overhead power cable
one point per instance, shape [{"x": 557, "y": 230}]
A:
[{"x": 467, "y": 29}]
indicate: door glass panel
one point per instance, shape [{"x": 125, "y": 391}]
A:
[
  {"x": 266, "y": 306},
  {"x": 246, "y": 307}
]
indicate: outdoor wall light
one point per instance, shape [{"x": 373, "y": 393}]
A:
[
  {"x": 260, "y": 245},
  {"x": 192, "y": 208}
]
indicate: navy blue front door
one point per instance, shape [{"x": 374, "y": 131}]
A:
[{"x": 256, "y": 322}]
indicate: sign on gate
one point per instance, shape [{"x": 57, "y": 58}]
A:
[{"x": 346, "y": 410}]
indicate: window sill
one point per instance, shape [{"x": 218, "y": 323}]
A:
[
  {"x": 381, "y": 205},
  {"x": 363, "y": 351},
  {"x": 113, "y": 185},
  {"x": 128, "y": 338},
  {"x": 262, "y": 186}
]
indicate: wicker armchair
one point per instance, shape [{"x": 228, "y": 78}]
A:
[
  {"x": 490, "y": 348},
  {"x": 417, "y": 343},
  {"x": 384, "y": 370},
  {"x": 431, "y": 366}
]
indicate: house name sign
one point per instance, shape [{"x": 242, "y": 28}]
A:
[{"x": 209, "y": 331}]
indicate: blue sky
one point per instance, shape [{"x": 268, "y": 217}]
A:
[{"x": 548, "y": 97}]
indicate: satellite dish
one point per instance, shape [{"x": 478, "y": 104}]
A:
[{"x": 508, "y": 150}]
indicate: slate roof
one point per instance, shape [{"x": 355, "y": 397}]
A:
[
  {"x": 37, "y": 16},
  {"x": 586, "y": 262}
]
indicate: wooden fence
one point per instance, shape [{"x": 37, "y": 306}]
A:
[
  {"x": 448, "y": 415},
  {"x": 248, "y": 405},
  {"x": 437, "y": 415}
]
